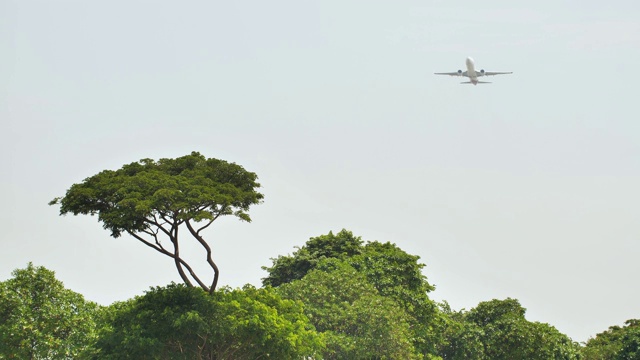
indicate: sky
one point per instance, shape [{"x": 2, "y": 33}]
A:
[{"x": 524, "y": 188}]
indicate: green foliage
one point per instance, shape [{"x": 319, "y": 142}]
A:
[
  {"x": 178, "y": 322},
  {"x": 616, "y": 343},
  {"x": 497, "y": 329},
  {"x": 490, "y": 312},
  {"x": 294, "y": 267},
  {"x": 462, "y": 340},
  {"x": 393, "y": 273},
  {"x": 630, "y": 342},
  {"x": 40, "y": 319},
  {"x": 188, "y": 187},
  {"x": 151, "y": 200},
  {"x": 357, "y": 321},
  {"x": 391, "y": 269},
  {"x": 397, "y": 275}
]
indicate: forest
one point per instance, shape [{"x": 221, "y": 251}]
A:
[{"x": 336, "y": 296}]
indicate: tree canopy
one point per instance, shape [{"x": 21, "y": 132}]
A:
[
  {"x": 40, "y": 319},
  {"x": 357, "y": 322},
  {"x": 616, "y": 343},
  {"x": 394, "y": 274},
  {"x": 497, "y": 329},
  {"x": 287, "y": 268},
  {"x": 151, "y": 200},
  {"x": 179, "y": 322},
  {"x": 335, "y": 311}
]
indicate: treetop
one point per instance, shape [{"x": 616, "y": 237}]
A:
[{"x": 146, "y": 192}]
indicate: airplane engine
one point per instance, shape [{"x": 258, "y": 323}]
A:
[
  {"x": 459, "y": 72},
  {"x": 482, "y": 72}
]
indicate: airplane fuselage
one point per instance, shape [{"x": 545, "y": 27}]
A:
[{"x": 471, "y": 71}]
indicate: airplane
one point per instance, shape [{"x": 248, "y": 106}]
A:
[{"x": 472, "y": 74}]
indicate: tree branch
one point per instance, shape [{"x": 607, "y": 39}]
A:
[
  {"x": 155, "y": 218},
  {"x": 212, "y": 220},
  {"x": 154, "y": 235},
  {"x": 160, "y": 249},
  {"x": 213, "y": 265},
  {"x": 176, "y": 250},
  {"x": 206, "y": 226},
  {"x": 158, "y": 225}
]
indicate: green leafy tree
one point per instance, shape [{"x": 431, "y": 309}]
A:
[
  {"x": 506, "y": 334},
  {"x": 616, "y": 343},
  {"x": 398, "y": 275},
  {"x": 179, "y": 322},
  {"x": 462, "y": 340},
  {"x": 490, "y": 312},
  {"x": 152, "y": 200},
  {"x": 287, "y": 268},
  {"x": 357, "y": 322},
  {"x": 630, "y": 342},
  {"x": 40, "y": 319},
  {"x": 395, "y": 274}
]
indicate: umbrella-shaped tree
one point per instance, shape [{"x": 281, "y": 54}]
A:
[{"x": 152, "y": 200}]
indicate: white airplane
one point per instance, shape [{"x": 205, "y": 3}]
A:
[{"x": 472, "y": 74}]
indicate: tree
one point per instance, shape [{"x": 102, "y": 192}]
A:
[
  {"x": 395, "y": 274},
  {"x": 40, "y": 319},
  {"x": 357, "y": 322},
  {"x": 152, "y": 200},
  {"x": 616, "y": 343},
  {"x": 490, "y": 312},
  {"x": 506, "y": 334},
  {"x": 630, "y": 341},
  {"x": 462, "y": 340},
  {"x": 294, "y": 267},
  {"x": 179, "y": 322}
]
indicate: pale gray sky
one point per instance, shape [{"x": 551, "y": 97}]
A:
[{"x": 527, "y": 187}]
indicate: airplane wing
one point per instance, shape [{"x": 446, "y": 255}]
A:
[
  {"x": 477, "y": 82},
  {"x": 453, "y": 73},
  {"x": 490, "y": 73}
]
